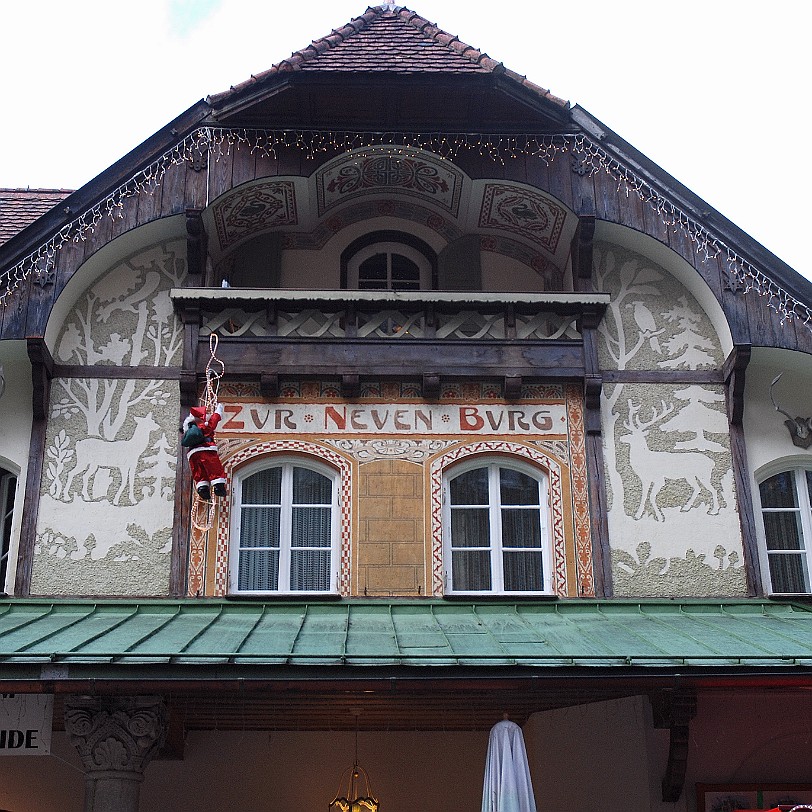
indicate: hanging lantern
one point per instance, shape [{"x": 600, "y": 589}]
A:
[{"x": 353, "y": 800}]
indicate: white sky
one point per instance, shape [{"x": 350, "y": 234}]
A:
[{"x": 715, "y": 92}]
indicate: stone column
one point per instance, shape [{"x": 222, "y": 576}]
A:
[{"x": 116, "y": 737}]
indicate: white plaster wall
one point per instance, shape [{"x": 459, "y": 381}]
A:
[
  {"x": 15, "y": 435},
  {"x": 506, "y": 275},
  {"x": 766, "y": 435},
  {"x": 769, "y": 445}
]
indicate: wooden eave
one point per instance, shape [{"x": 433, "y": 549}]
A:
[
  {"x": 702, "y": 212},
  {"x": 512, "y": 106},
  {"x": 83, "y": 199}
]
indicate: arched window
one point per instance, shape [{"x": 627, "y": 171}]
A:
[
  {"x": 496, "y": 528},
  {"x": 388, "y": 260},
  {"x": 786, "y": 509},
  {"x": 285, "y": 523}
]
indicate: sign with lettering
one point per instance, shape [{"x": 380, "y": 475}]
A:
[
  {"x": 539, "y": 419},
  {"x": 25, "y": 724}
]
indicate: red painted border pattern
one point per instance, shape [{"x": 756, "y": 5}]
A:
[{"x": 580, "y": 491}]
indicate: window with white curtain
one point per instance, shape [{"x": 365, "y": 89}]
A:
[
  {"x": 496, "y": 528},
  {"x": 284, "y": 536},
  {"x": 786, "y": 509}
]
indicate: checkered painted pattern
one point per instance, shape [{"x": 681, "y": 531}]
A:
[
  {"x": 498, "y": 447},
  {"x": 580, "y": 491},
  {"x": 323, "y": 453}
]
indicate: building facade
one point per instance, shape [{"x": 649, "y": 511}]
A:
[{"x": 512, "y": 423}]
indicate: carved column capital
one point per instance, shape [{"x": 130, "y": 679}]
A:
[{"x": 116, "y": 734}]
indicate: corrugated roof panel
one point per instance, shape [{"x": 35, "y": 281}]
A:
[
  {"x": 322, "y": 638},
  {"x": 371, "y": 630},
  {"x": 273, "y": 634},
  {"x": 426, "y": 633}
]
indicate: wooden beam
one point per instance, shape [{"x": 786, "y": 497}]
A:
[
  {"x": 28, "y": 530},
  {"x": 674, "y": 710},
  {"x": 42, "y": 370},
  {"x": 528, "y": 359},
  {"x": 734, "y": 370},
  {"x": 431, "y": 386}
]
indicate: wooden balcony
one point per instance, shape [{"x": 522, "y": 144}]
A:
[{"x": 391, "y": 333}]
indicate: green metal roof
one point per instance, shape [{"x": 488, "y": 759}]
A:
[{"x": 663, "y": 634}]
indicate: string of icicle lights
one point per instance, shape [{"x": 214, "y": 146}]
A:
[{"x": 587, "y": 156}]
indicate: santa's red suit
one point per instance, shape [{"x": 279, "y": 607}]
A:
[{"x": 207, "y": 470}]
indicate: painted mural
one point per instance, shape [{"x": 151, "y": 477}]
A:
[
  {"x": 668, "y": 462},
  {"x": 111, "y": 443}
]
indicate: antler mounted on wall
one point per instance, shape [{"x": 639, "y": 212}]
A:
[{"x": 800, "y": 428}]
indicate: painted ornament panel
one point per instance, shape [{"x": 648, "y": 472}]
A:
[{"x": 374, "y": 170}]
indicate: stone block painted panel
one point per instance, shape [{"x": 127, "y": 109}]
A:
[
  {"x": 672, "y": 506},
  {"x": 391, "y": 527},
  {"x": 126, "y": 318},
  {"x": 107, "y": 497},
  {"x": 652, "y": 322}
]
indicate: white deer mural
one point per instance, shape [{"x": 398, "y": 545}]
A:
[
  {"x": 122, "y": 456},
  {"x": 693, "y": 467}
]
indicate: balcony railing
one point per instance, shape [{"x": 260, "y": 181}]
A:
[{"x": 456, "y": 332}]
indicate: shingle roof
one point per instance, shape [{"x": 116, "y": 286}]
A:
[
  {"x": 20, "y": 207},
  {"x": 388, "y": 39}
]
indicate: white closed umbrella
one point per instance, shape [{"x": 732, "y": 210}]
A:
[{"x": 508, "y": 787}]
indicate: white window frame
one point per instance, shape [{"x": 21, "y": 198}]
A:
[
  {"x": 8, "y": 498},
  {"x": 804, "y": 510},
  {"x": 493, "y": 464},
  {"x": 287, "y": 463},
  {"x": 389, "y": 247}
]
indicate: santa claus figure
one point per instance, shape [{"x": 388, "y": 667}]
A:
[{"x": 204, "y": 461}]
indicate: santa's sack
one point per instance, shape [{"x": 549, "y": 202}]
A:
[{"x": 193, "y": 437}]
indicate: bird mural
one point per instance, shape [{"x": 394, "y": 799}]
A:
[{"x": 644, "y": 319}]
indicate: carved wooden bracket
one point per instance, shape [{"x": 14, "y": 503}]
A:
[
  {"x": 42, "y": 370},
  {"x": 674, "y": 710},
  {"x": 431, "y": 386},
  {"x": 513, "y": 387},
  {"x": 269, "y": 385},
  {"x": 734, "y": 372},
  {"x": 350, "y": 386}
]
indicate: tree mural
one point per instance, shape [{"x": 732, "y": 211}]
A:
[
  {"x": 635, "y": 338},
  {"x": 666, "y": 445},
  {"x": 111, "y": 441},
  {"x": 125, "y": 319}
]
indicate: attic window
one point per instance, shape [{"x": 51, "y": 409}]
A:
[{"x": 388, "y": 261}]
